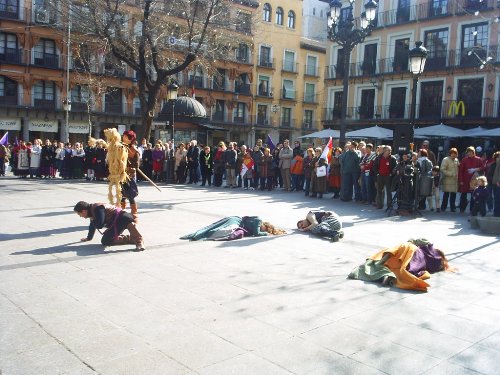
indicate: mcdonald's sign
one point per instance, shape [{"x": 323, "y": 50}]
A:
[{"x": 455, "y": 107}]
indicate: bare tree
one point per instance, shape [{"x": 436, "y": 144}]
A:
[{"x": 160, "y": 38}]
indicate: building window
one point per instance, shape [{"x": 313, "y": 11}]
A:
[
  {"x": 431, "y": 99},
  {"x": 345, "y": 13},
  {"x": 8, "y": 48},
  {"x": 289, "y": 62},
  {"x": 265, "y": 57},
  {"x": 308, "y": 119},
  {"x": 218, "y": 114},
  {"x": 398, "y": 102},
  {"x": 279, "y": 16},
  {"x": 262, "y": 115},
  {"x": 311, "y": 66},
  {"x": 288, "y": 89},
  {"x": 337, "y": 105},
  {"x": 242, "y": 53},
  {"x": 44, "y": 54},
  {"x": 401, "y": 51},
  {"x": 263, "y": 89},
  {"x": 137, "y": 106},
  {"x": 291, "y": 19},
  {"x": 244, "y": 22},
  {"x": 370, "y": 59},
  {"x": 403, "y": 12},
  {"x": 286, "y": 117},
  {"x": 470, "y": 91},
  {"x": 8, "y": 91},
  {"x": 438, "y": 8},
  {"x": 266, "y": 16},
  {"x": 44, "y": 94},
  {"x": 474, "y": 44},
  {"x": 436, "y": 42},
  {"x": 80, "y": 98},
  {"x": 113, "y": 100},
  {"x": 309, "y": 95},
  {"x": 239, "y": 112},
  {"x": 367, "y": 105}
]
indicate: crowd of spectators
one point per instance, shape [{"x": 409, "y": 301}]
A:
[{"x": 359, "y": 172}]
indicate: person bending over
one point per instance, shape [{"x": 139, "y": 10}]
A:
[
  {"x": 322, "y": 223},
  {"x": 114, "y": 219}
]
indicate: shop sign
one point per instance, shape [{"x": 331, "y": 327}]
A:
[
  {"x": 10, "y": 124},
  {"x": 49, "y": 126},
  {"x": 78, "y": 128}
]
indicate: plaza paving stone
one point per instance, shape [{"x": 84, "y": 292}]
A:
[{"x": 257, "y": 306}]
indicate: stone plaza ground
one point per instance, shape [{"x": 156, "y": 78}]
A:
[{"x": 257, "y": 306}]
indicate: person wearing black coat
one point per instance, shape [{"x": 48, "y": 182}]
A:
[
  {"x": 230, "y": 156},
  {"x": 193, "y": 156},
  {"x": 206, "y": 166}
]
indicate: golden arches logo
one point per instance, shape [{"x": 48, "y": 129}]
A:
[{"x": 455, "y": 107}]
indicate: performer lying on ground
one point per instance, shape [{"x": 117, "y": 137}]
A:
[
  {"x": 405, "y": 266},
  {"x": 114, "y": 219},
  {"x": 322, "y": 223},
  {"x": 234, "y": 227}
]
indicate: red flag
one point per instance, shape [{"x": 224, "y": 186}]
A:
[{"x": 327, "y": 152}]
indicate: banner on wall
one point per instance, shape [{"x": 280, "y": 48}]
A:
[
  {"x": 13, "y": 124},
  {"x": 78, "y": 127},
  {"x": 49, "y": 126}
]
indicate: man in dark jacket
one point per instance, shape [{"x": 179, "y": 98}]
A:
[
  {"x": 350, "y": 171},
  {"x": 230, "y": 156},
  {"x": 193, "y": 156},
  {"x": 114, "y": 219}
]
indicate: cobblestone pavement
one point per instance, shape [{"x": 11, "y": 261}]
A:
[{"x": 272, "y": 305}]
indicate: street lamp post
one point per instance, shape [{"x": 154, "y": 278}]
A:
[
  {"x": 345, "y": 35},
  {"x": 417, "y": 57},
  {"x": 67, "y": 101},
  {"x": 172, "y": 91}
]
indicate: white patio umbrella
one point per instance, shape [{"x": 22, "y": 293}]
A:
[
  {"x": 325, "y": 133},
  {"x": 482, "y": 132},
  {"x": 440, "y": 130},
  {"x": 372, "y": 132}
]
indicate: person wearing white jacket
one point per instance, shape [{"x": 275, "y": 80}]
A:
[{"x": 35, "y": 155}]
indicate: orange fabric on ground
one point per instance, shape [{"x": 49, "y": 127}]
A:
[{"x": 397, "y": 263}]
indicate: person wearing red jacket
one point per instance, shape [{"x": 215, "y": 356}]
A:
[{"x": 468, "y": 166}]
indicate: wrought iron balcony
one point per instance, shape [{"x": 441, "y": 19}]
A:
[
  {"x": 113, "y": 108},
  {"x": 288, "y": 94},
  {"x": 12, "y": 100},
  {"x": 46, "y": 60},
  {"x": 264, "y": 62},
  {"x": 265, "y": 92},
  {"x": 287, "y": 123},
  {"x": 11, "y": 56},
  {"x": 311, "y": 71},
  {"x": 290, "y": 67}
]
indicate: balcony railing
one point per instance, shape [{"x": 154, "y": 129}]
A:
[
  {"x": 311, "y": 98},
  {"x": 287, "y": 123},
  {"x": 242, "y": 88},
  {"x": 290, "y": 67},
  {"x": 239, "y": 119},
  {"x": 310, "y": 124},
  {"x": 196, "y": 82},
  {"x": 265, "y": 92},
  {"x": 46, "y": 60},
  {"x": 266, "y": 62},
  {"x": 11, "y": 100},
  {"x": 287, "y": 94},
  {"x": 48, "y": 101},
  {"x": 219, "y": 85},
  {"x": 262, "y": 120},
  {"x": 11, "y": 56},
  {"x": 311, "y": 71},
  {"x": 245, "y": 58},
  {"x": 218, "y": 116},
  {"x": 432, "y": 9},
  {"x": 113, "y": 108},
  {"x": 79, "y": 106}
]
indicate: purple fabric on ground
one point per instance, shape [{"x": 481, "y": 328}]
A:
[{"x": 425, "y": 258}]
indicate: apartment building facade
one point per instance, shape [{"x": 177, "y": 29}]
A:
[
  {"x": 34, "y": 72},
  {"x": 460, "y": 83}
]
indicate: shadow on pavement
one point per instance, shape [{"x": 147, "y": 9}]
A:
[
  {"x": 43, "y": 233},
  {"x": 82, "y": 250}
]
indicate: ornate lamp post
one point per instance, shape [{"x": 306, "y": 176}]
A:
[
  {"x": 172, "y": 91},
  {"x": 417, "y": 57},
  {"x": 345, "y": 35}
]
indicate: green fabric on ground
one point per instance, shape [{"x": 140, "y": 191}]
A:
[{"x": 372, "y": 270}]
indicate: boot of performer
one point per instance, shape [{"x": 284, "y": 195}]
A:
[
  {"x": 133, "y": 211},
  {"x": 123, "y": 204},
  {"x": 136, "y": 237}
]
